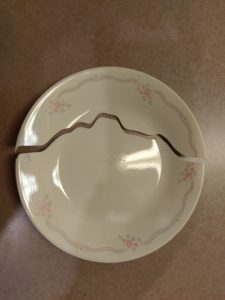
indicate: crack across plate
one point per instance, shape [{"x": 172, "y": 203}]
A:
[{"x": 104, "y": 193}]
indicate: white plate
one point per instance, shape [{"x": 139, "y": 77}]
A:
[{"x": 101, "y": 192}]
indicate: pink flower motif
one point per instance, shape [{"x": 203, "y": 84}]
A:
[
  {"x": 188, "y": 173},
  {"x": 45, "y": 207},
  {"x": 57, "y": 106},
  {"x": 145, "y": 92},
  {"x": 129, "y": 241}
]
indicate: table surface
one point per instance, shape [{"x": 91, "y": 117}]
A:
[{"x": 179, "y": 42}]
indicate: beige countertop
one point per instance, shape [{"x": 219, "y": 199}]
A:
[{"x": 181, "y": 43}]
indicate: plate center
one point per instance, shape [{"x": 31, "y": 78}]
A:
[{"x": 107, "y": 174}]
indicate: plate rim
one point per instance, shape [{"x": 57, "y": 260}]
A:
[
  {"x": 67, "y": 78},
  {"x": 76, "y": 253}
]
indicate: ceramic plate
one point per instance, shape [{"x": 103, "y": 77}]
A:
[{"x": 114, "y": 168}]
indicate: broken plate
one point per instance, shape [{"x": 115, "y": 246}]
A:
[{"x": 111, "y": 182}]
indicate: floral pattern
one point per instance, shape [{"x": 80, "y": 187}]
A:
[
  {"x": 145, "y": 92},
  {"x": 127, "y": 241},
  {"x": 188, "y": 173},
  {"x": 130, "y": 242},
  {"x": 45, "y": 207},
  {"x": 57, "y": 106}
]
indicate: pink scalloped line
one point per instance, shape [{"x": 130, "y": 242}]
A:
[
  {"x": 173, "y": 221},
  {"x": 122, "y": 250},
  {"x": 93, "y": 78},
  {"x": 82, "y": 246},
  {"x": 134, "y": 81},
  {"x": 186, "y": 124},
  {"x": 97, "y": 78},
  {"x": 26, "y": 162}
]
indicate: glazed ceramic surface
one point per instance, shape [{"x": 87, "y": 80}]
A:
[{"x": 101, "y": 192}]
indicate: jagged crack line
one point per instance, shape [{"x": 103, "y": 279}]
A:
[
  {"x": 30, "y": 149},
  {"x": 174, "y": 108}
]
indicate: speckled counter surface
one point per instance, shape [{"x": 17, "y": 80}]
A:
[{"x": 181, "y": 43}]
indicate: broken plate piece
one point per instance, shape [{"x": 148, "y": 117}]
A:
[
  {"x": 140, "y": 101},
  {"x": 107, "y": 195}
]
